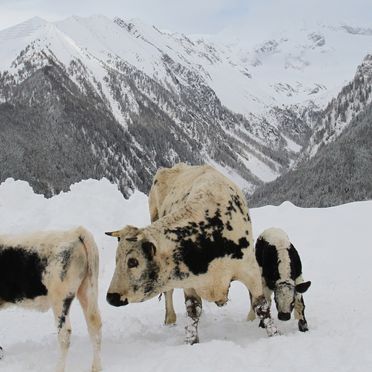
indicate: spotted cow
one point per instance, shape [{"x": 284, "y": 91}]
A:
[
  {"x": 282, "y": 274},
  {"x": 200, "y": 239},
  {"x": 49, "y": 269}
]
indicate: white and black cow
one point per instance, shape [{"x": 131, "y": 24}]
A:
[
  {"x": 49, "y": 269},
  {"x": 200, "y": 240},
  {"x": 282, "y": 274}
]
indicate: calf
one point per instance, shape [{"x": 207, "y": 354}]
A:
[
  {"x": 200, "y": 240},
  {"x": 48, "y": 270},
  {"x": 282, "y": 274}
]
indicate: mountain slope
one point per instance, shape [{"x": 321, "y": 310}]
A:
[
  {"x": 339, "y": 113},
  {"x": 340, "y": 172},
  {"x": 248, "y": 111}
]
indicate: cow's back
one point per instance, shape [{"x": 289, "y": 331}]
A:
[{"x": 182, "y": 185}]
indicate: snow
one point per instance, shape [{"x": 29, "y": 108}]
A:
[{"x": 334, "y": 245}]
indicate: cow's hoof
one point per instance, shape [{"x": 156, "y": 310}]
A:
[
  {"x": 270, "y": 327},
  {"x": 302, "y": 326},
  {"x": 251, "y": 316},
  {"x": 170, "y": 319},
  {"x": 1, "y": 353}
]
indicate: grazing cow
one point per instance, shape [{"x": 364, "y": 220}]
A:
[
  {"x": 200, "y": 240},
  {"x": 48, "y": 270},
  {"x": 282, "y": 274}
]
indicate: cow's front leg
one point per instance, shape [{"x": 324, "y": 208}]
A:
[
  {"x": 260, "y": 305},
  {"x": 299, "y": 312},
  {"x": 1, "y": 353},
  {"x": 252, "y": 314},
  {"x": 170, "y": 315},
  {"x": 194, "y": 308},
  {"x": 61, "y": 309}
]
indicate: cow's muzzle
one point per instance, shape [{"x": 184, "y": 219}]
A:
[
  {"x": 114, "y": 299},
  {"x": 284, "y": 316}
]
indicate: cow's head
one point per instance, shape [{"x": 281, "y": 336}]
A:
[
  {"x": 136, "y": 276},
  {"x": 284, "y": 294}
]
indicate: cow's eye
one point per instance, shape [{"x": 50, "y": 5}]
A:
[{"x": 132, "y": 262}]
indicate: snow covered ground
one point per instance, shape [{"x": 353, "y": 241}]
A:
[{"x": 335, "y": 246}]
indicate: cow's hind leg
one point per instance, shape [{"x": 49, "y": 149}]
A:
[
  {"x": 87, "y": 295},
  {"x": 170, "y": 315},
  {"x": 1, "y": 353},
  {"x": 299, "y": 312},
  {"x": 194, "y": 308},
  {"x": 61, "y": 309}
]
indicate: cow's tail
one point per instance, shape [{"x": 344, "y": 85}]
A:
[
  {"x": 88, "y": 295},
  {"x": 92, "y": 255}
]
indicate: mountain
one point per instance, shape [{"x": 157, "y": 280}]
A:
[
  {"x": 353, "y": 98},
  {"x": 94, "y": 97},
  {"x": 340, "y": 172}
]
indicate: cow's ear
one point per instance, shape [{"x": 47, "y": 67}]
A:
[
  {"x": 149, "y": 249},
  {"x": 303, "y": 287}
]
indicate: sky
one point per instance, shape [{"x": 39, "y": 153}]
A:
[{"x": 195, "y": 16}]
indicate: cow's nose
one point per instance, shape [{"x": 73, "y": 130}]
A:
[
  {"x": 284, "y": 316},
  {"x": 115, "y": 300}
]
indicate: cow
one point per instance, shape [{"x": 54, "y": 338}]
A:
[
  {"x": 281, "y": 270},
  {"x": 200, "y": 240},
  {"x": 43, "y": 270}
]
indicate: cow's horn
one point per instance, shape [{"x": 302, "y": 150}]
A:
[{"x": 115, "y": 234}]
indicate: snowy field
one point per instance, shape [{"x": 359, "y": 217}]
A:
[{"x": 336, "y": 249}]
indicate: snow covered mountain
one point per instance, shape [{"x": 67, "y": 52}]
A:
[
  {"x": 340, "y": 112},
  {"x": 136, "y": 98},
  {"x": 336, "y": 166}
]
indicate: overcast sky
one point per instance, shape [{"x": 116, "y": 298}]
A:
[{"x": 194, "y": 16}]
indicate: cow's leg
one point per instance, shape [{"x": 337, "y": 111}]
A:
[
  {"x": 260, "y": 305},
  {"x": 87, "y": 295},
  {"x": 170, "y": 315},
  {"x": 299, "y": 312},
  {"x": 61, "y": 309},
  {"x": 1, "y": 353},
  {"x": 267, "y": 293},
  {"x": 194, "y": 308},
  {"x": 251, "y": 314}
]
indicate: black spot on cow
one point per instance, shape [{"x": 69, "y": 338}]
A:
[
  {"x": 237, "y": 202},
  {"x": 230, "y": 209},
  {"x": 21, "y": 273},
  {"x": 185, "y": 196},
  {"x": 151, "y": 274},
  {"x": 177, "y": 273},
  {"x": 65, "y": 309},
  {"x": 65, "y": 258},
  {"x": 267, "y": 259},
  {"x": 148, "y": 249},
  {"x": 150, "y": 277},
  {"x": 295, "y": 262},
  {"x": 199, "y": 244}
]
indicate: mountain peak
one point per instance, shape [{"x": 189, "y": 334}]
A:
[{"x": 23, "y": 29}]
